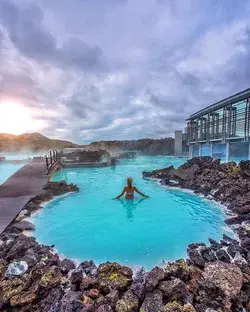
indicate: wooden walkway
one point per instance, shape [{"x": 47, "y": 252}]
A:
[{"x": 19, "y": 189}]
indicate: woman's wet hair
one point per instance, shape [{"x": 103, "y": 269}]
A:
[{"x": 129, "y": 182}]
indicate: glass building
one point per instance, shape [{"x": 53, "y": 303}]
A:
[{"x": 221, "y": 130}]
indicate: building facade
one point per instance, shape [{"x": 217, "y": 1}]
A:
[{"x": 221, "y": 130}]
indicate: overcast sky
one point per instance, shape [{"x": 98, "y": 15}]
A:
[{"x": 121, "y": 69}]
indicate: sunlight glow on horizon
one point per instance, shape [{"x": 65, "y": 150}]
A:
[{"x": 15, "y": 118}]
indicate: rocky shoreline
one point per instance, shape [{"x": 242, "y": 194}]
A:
[{"x": 213, "y": 278}]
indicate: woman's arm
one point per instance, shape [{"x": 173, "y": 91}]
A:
[
  {"x": 137, "y": 191},
  {"x": 117, "y": 197}
]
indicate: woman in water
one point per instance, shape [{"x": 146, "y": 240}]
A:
[{"x": 129, "y": 190}]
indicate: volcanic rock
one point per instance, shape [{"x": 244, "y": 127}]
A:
[
  {"x": 246, "y": 243},
  {"x": 112, "y": 298},
  {"x": 59, "y": 188},
  {"x": 175, "y": 289},
  {"x": 66, "y": 265},
  {"x": 178, "y": 269},
  {"x": 153, "y": 278},
  {"x": 152, "y": 302},
  {"x": 24, "y": 226},
  {"x": 196, "y": 258},
  {"x": 71, "y": 302},
  {"x": 176, "y": 307},
  {"x": 222, "y": 255},
  {"x": 88, "y": 267},
  {"x": 22, "y": 244},
  {"x": 128, "y": 303},
  {"x": 105, "y": 308},
  {"x": 208, "y": 254},
  {"x": 112, "y": 276},
  {"x": 227, "y": 277}
]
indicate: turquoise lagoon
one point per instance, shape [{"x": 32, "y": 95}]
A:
[
  {"x": 19, "y": 156},
  {"x": 90, "y": 225},
  {"x": 6, "y": 170}
]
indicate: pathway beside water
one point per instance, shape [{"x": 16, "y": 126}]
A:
[{"x": 19, "y": 189}]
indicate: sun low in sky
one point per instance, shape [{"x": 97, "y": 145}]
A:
[{"x": 15, "y": 118}]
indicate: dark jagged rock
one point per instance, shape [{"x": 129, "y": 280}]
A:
[
  {"x": 76, "y": 277},
  {"x": 51, "y": 301},
  {"x": 176, "y": 307},
  {"x": 196, "y": 245},
  {"x": 105, "y": 308},
  {"x": 32, "y": 206},
  {"x": 139, "y": 289},
  {"x": 24, "y": 226},
  {"x": 22, "y": 244},
  {"x": 225, "y": 276},
  {"x": 153, "y": 302},
  {"x": 113, "y": 276},
  {"x": 88, "y": 308},
  {"x": 209, "y": 297},
  {"x": 208, "y": 254},
  {"x": 196, "y": 258},
  {"x": 59, "y": 188},
  {"x": 222, "y": 255},
  {"x": 153, "y": 278},
  {"x": 87, "y": 282},
  {"x": 112, "y": 298},
  {"x": 244, "y": 166},
  {"x": 128, "y": 303},
  {"x": 66, "y": 265},
  {"x": 228, "y": 240},
  {"x": 178, "y": 269},
  {"x": 233, "y": 249},
  {"x": 30, "y": 259},
  {"x": 71, "y": 302},
  {"x": 175, "y": 289},
  {"x": 214, "y": 245},
  {"x": 246, "y": 243},
  {"x": 93, "y": 293},
  {"x": 87, "y": 300},
  {"x": 88, "y": 267}
]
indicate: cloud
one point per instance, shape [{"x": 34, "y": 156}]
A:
[
  {"x": 121, "y": 69},
  {"x": 29, "y": 35}
]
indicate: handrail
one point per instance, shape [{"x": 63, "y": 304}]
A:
[{"x": 51, "y": 157}]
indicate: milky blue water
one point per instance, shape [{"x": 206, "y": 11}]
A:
[
  {"x": 20, "y": 156},
  {"x": 90, "y": 225},
  {"x": 6, "y": 170}
]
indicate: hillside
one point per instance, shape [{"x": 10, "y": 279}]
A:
[
  {"x": 30, "y": 141},
  {"x": 38, "y": 142},
  {"x": 143, "y": 146}
]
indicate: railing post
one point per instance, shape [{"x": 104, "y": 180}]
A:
[{"x": 47, "y": 162}]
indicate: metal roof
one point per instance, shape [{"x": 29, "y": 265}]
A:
[{"x": 230, "y": 100}]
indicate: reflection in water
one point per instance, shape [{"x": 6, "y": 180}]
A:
[{"x": 130, "y": 205}]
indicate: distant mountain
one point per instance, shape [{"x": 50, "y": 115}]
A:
[
  {"x": 38, "y": 142},
  {"x": 143, "y": 146},
  {"x": 31, "y": 142}
]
